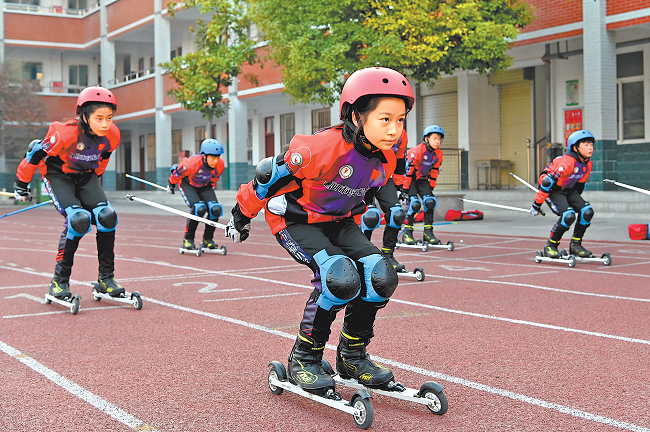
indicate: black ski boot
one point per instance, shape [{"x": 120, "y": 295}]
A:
[
  {"x": 207, "y": 244},
  {"x": 407, "y": 237},
  {"x": 306, "y": 367},
  {"x": 388, "y": 254},
  {"x": 577, "y": 249},
  {"x": 188, "y": 245},
  {"x": 59, "y": 288},
  {"x": 429, "y": 237},
  {"x": 352, "y": 361},
  {"x": 550, "y": 250},
  {"x": 109, "y": 285}
]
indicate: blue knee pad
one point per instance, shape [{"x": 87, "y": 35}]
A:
[
  {"x": 79, "y": 221},
  {"x": 396, "y": 216},
  {"x": 199, "y": 209},
  {"x": 586, "y": 213},
  {"x": 340, "y": 281},
  {"x": 371, "y": 219},
  {"x": 105, "y": 217},
  {"x": 380, "y": 277},
  {"x": 414, "y": 205},
  {"x": 567, "y": 218},
  {"x": 215, "y": 210},
  {"x": 430, "y": 202}
]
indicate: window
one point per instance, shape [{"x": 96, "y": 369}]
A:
[
  {"x": 151, "y": 152},
  {"x": 177, "y": 145},
  {"x": 141, "y": 71},
  {"x": 77, "y": 78},
  {"x": 320, "y": 118},
  {"x": 287, "y": 130},
  {"x": 199, "y": 136},
  {"x": 77, "y": 4},
  {"x": 33, "y": 71},
  {"x": 249, "y": 142},
  {"x": 176, "y": 52},
  {"x": 630, "y": 101}
]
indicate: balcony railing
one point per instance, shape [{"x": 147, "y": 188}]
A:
[
  {"x": 52, "y": 9},
  {"x": 133, "y": 75}
]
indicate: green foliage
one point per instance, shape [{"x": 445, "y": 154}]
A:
[
  {"x": 222, "y": 47},
  {"x": 318, "y": 42}
]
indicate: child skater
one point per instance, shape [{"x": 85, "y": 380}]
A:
[
  {"x": 422, "y": 166},
  {"x": 312, "y": 193},
  {"x": 563, "y": 182},
  {"x": 73, "y": 155},
  {"x": 394, "y": 214},
  {"x": 197, "y": 177}
]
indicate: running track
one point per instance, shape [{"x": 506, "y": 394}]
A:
[{"x": 518, "y": 345}]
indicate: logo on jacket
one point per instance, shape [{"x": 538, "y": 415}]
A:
[
  {"x": 576, "y": 169},
  {"x": 80, "y": 146},
  {"x": 346, "y": 171},
  {"x": 425, "y": 157},
  {"x": 296, "y": 159}
]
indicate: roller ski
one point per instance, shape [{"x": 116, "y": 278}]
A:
[
  {"x": 108, "y": 288},
  {"x": 407, "y": 241},
  {"x": 189, "y": 247},
  {"x": 418, "y": 273},
  {"x": 59, "y": 292},
  {"x": 307, "y": 378},
  {"x": 583, "y": 255},
  {"x": 355, "y": 369},
  {"x": 552, "y": 254},
  {"x": 429, "y": 238},
  {"x": 209, "y": 246}
]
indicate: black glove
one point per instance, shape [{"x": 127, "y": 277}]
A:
[
  {"x": 536, "y": 209},
  {"x": 21, "y": 192},
  {"x": 170, "y": 188},
  {"x": 239, "y": 226}
]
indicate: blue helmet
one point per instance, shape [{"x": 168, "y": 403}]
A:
[
  {"x": 577, "y": 136},
  {"x": 432, "y": 129},
  {"x": 211, "y": 147}
]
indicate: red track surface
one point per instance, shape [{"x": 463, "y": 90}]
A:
[{"x": 518, "y": 345}]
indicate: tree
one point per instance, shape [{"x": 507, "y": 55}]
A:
[
  {"x": 22, "y": 112},
  {"x": 318, "y": 42},
  {"x": 222, "y": 47}
]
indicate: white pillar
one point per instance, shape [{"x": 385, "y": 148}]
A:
[
  {"x": 106, "y": 48},
  {"x": 163, "y": 128},
  {"x": 463, "y": 110},
  {"x": 237, "y": 138}
]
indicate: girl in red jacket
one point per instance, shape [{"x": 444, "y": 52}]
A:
[
  {"x": 311, "y": 194},
  {"x": 72, "y": 156}
]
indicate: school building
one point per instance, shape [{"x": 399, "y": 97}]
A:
[{"x": 579, "y": 64}]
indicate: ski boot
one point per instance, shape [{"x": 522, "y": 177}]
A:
[
  {"x": 407, "y": 237},
  {"x": 306, "y": 367},
  {"x": 209, "y": 245},
  {"x": 188, "y": 246},
  {"x": 577, "y": 249},
  {"x": 428, "y": 236},
  {"x": 388, "y": 254},
  {"x": 110, "y": 286},
  {"x": 59, "y": 292},
  {"x": 550, "y": 249},
  {"x": 353, "y": 362}
]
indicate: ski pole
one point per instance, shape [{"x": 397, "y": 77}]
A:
[
  {"x": 499, "y": 206},
  {"x": 550, "y": 204},
  {"x": 27, "y": 208},
  {"x": 178, "y": 212},
  {"x": 533, "y": 188},
  {"x": 437, "y": 223},
  {"x": 9, "y": 194},
  {"x": 146, "y": 182},
  {"x": 636, "y": 189}
]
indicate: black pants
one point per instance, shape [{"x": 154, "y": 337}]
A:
[
  {"x": 563, "y": 200},
  {"x": 343, "y": 237},
  {"x": 192, "y": 196},
  {"x": 85, "y": 190},
  {"x": 421, "y": 187},
  {"x": 386, "y": 196}
]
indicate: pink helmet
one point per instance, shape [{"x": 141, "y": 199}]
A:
[
  {"x": 376, "y": 81},
  {"x": 95, "y": 94}
]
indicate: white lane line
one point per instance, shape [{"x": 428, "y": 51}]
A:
[
  {"x": 83, "y": 394},
  {"x": 63, "y": 311},
  {"x": 523, "y": 274},
  {"x": 460, "y": 381},
  {"x": 255, "y": 297}
]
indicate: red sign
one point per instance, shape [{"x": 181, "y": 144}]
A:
[{"x": 572, "y": 122}]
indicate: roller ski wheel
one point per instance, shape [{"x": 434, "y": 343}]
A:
[
  {"x": 189, "y": 247},
  {"x": 196, "y": 252},
  {"x": 134, "y": 298},
  {"x": 605, "y": 259},
  {"x": 69, "y": 302},
  {"x": 430, "y": 393},
  {"x": 360, "y": 405},
  {"x": 418, "y": 273},
  {"x": 570, "y": 260},
  {"x": 424, "y": 247},
  {"x": 221, "y": 250},
  {"x": 449, "y": 246}
]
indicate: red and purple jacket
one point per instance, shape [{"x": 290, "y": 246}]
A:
[
  {"x": 198, "y": 173},
  {"x": 423, "y": 163},
  {"x": 569, "y": 172}
]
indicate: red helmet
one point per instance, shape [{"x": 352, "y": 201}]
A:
[
  {"x": 95, "y": 94},
  {"x": 376, "y": 81}
]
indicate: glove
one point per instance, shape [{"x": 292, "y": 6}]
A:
[
  {"x": 239, "y": 225},
  {"x": 21, "y": 193},
  {"x": 170, "y": 188},
  {"x": 552, "y": 206},
  {"x": 536, "y": 209}
]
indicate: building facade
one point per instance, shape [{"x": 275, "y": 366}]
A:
[{"x": 579, "y": 64}]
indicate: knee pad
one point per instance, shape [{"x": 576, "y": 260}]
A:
[
  {"x": 396, "y": 216},
  {"x": 430, "y": 202},
  {"x": 371, "y": 219},
  {"x": 79, "y": 221},
  {"x": 105, "y": 217},
  {"x": 567, "y": 218},
  {"x": 199, "y": 209},
  {"x": 380, "y": 277},
  {"x": 414, "y": 206},
  {"x": 215, "y": 210},
  {"x": 340, "y": 281},
  {"x": 586, "y": 213}
]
